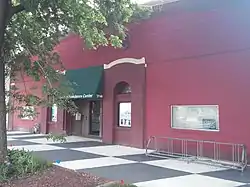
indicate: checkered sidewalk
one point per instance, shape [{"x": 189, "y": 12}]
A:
[{"x": 124, "y": 163}]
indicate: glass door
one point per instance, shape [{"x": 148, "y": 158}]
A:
[{"x": 95, "y": 117}]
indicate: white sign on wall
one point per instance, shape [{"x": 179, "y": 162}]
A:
[
  {"x": 196, "y": 117},
  {"x": 125, "y": 114},
  {"x": 78, "y": 116},
  {"x": 54, "y": 113}
]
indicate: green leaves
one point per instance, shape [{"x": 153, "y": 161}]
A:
[
  {"x": 32, "y": 69},
  {"x": 115, "y": 41},
  {"x": 36, "y": 28},
  {"x": 21, "y": 163},
  {"x": 57, "y": 138}
]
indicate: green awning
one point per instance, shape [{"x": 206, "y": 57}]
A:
[{"x": 87, "y": 83}]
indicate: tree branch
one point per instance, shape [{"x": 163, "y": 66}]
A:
[{"x": 16, "y": 9}]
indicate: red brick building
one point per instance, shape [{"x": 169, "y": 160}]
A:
[{"x": 184, "y": 74}]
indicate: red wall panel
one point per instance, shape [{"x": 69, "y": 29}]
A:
[
  {"x": 193, "y": 57},
  {"x": 222, "y": 80}
]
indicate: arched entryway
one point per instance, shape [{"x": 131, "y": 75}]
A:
[
  {"x": 122, "y": 112},
  {"x": 123, "y": 103}
]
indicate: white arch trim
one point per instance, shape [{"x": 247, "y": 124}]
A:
[{"x": 125, "y": 60}]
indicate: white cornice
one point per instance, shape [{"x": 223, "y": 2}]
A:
[{"x": 124, "y": 61}]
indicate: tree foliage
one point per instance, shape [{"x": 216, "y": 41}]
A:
[
  {"x": 29, "y": 30},
  {"x": 40, "y": 24}
]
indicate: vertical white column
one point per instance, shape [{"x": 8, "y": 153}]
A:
[{"x": 7, "y": 89}]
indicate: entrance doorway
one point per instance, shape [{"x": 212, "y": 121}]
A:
[
  {"x": 95, "y": 117},
  {"x": 87, "y": 122}
]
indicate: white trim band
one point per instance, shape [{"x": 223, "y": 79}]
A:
[{"x": 123, "y": 61}]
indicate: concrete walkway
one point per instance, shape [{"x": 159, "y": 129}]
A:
[{"x": 126, "y": 163}]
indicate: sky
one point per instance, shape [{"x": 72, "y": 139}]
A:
[
  {"x": 141, "y": 1},
  {"x": 155, "y": 1}
]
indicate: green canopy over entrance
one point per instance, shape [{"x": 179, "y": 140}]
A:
[{"x": 87, "y": 82}]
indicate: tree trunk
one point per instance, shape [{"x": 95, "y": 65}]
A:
[
  {"x": 4, "y": 6},
  {"x": 3, "y": 136}
]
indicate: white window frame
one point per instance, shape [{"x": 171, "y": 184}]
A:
[
  {"x": 196, "y": 129},
  {"x": 119, "y": 115}
]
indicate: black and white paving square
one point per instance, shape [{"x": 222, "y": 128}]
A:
[
  {"x": 125, "y": 163},
  {"x": 20, "y": 143},
  {"x": 232, "y": 175},
  {"x": 135, "y": 172},
  {"x": 71, "y": 145},
  {"x": 65, "y": 155},
  {"x": 139, "y": 158}
]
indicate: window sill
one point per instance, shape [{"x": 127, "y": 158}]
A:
[
  {"x": 123, "y": 128},
  {"x": 204, "y": 130}
]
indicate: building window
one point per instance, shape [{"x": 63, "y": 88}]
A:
[
  {"x": 123, "y": 88},
  {"x": 124, "y": 114},
  {"x": 195, "y": 117}
]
